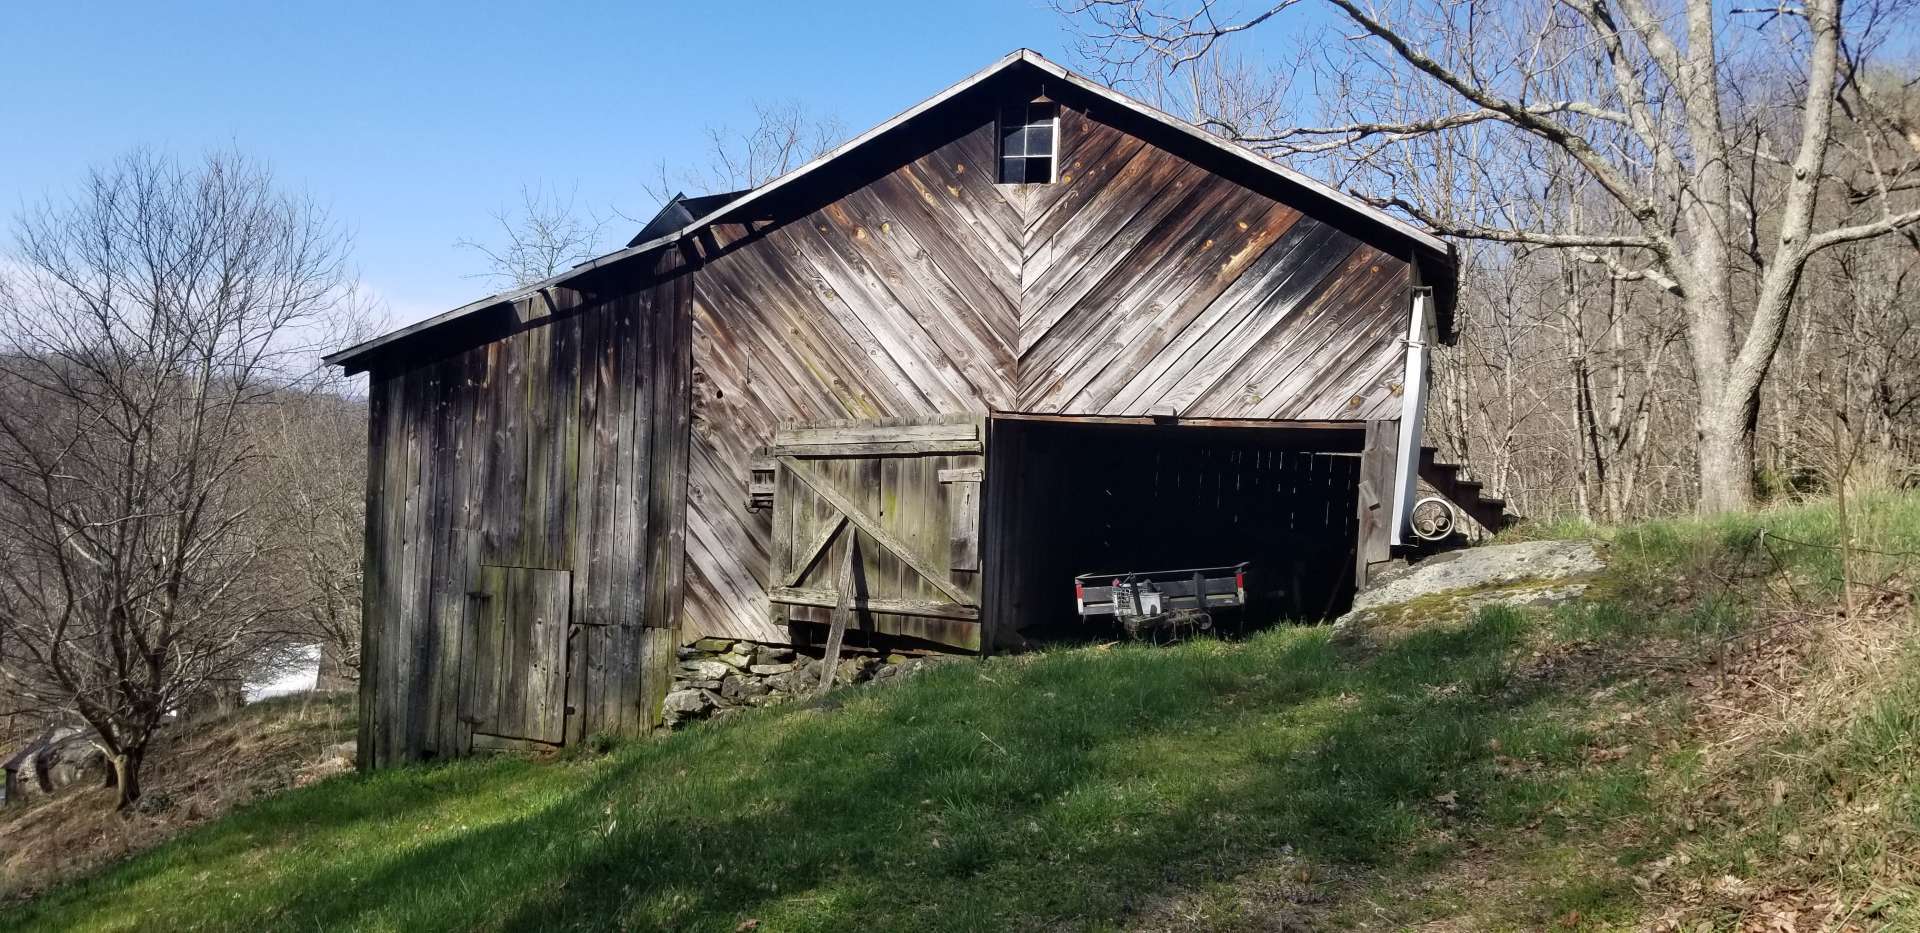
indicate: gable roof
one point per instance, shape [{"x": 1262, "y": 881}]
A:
[
  {"x": 682, "y": 210},
  {"x": 668, "y": 227}
]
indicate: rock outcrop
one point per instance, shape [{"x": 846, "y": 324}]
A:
[
  {"x": 1457, "y": 583},
  {"x": 59, "y": 758}
]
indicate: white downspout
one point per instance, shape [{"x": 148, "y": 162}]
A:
[{"x": 1413, "y": 408}]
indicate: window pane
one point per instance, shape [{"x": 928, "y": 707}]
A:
[
  {"x": 1039, "y": 140},
  {"x": 1012, "y": 132},
  {"x": 1027, "y": 133}
]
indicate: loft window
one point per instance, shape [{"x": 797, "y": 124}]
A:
[{"x": 1029, "y": 139}]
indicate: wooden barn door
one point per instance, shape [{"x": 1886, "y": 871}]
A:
[
  {"x": 906, "y": 497},
  {"x": 514, "y": 686}
]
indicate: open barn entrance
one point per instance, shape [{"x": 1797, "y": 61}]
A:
[{"x": 1071, "y": 496}]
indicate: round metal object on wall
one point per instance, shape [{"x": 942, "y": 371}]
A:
[{"x": 1433, "y": 518}]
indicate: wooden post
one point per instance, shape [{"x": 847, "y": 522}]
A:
[{"x": 1374, "y": 544}]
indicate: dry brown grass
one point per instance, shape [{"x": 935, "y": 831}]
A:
[
  {"x": 197, "y": 773},
  {"x": 1769, "y": 721}
]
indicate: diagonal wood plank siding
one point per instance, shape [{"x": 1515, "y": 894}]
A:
[{"x": 1138, "y": 281}]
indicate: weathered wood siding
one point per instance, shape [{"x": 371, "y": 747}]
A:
[
  {"x": 517, "y": 485},
  {"x": 916, "y": 286},
  {"x": 909, "y": 492}
]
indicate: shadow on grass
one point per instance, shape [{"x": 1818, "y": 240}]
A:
[{"x": 1074, "y": 787}]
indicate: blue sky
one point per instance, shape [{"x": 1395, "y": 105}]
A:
[{"x": 413, "y": 122}]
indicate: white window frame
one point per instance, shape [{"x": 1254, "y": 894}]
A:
[{"x": 1000, "y": 144}]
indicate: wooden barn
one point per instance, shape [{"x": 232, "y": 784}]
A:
[{"x": 1027, "y": 329}]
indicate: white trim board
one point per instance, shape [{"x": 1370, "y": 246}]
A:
[{"x": 1413, "y": 410}]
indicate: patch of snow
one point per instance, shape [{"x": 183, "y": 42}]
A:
[{"x": 302, "y": 677}]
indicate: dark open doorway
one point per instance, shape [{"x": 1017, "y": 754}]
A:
[{"x": 1069, "y": 496}]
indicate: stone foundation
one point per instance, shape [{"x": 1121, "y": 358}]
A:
[{"x": 716, "y": 677}]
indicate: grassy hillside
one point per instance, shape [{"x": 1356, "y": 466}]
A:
[{"x": 1705, "y": 740}]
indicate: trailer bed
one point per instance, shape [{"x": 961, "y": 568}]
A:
[{"x": 1157, "y": 592}]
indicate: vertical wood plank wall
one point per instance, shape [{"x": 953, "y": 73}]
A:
[
  {"x": 1139, "y": 281},
  {"x": 558, "y": 448}
]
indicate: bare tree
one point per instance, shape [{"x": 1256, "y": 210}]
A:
[
  {"x": 543, "y": 236},
  {"x": 150, "y": 318},
  {"x": 547, "y": 233},
  {"x": 785, "y": 135},
  {"x": 311, "y": 521},
  {"x": 1705, "y": 132}
]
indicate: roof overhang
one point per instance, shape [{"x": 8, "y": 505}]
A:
[{"x": 1435, "y": 256}]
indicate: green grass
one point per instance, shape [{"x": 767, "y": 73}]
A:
[
  {"x": 1068, "y": 787},
  {"x": 1072, "y": 789}
]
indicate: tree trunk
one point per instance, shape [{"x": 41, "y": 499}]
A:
[
  {"x": 1726, "y": 462},
  {"x": 126, "y": 777}
]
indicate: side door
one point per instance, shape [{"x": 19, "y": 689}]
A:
[
  {"x": 514, "y": 684},
  {"x": 905, "y": 495}
]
